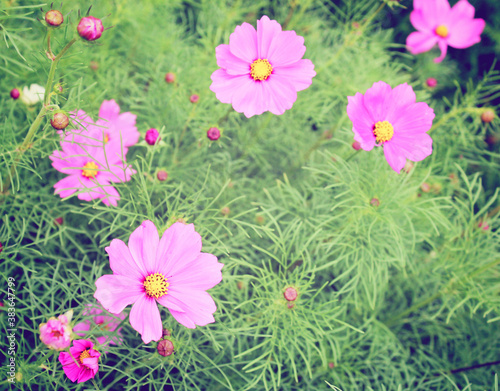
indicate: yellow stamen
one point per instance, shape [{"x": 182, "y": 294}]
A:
[
  {"x": 383, "y": 130},
  {"x": 84, "y": 354},
  {"x": 260, "y": 69},
  {"x": 90, "y": 170},
  {"x": 156, "y": 285},
  {"x": 442, "y": 31}
]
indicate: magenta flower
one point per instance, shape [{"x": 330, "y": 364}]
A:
[
  {"x": 437, "y": 23},
  {"x": 101, "y": 321},
  {"x": 56, "y": 333},
  {"x": 171, "y": 271},
  {"x": 90, "y": 28},
  {"x": 393, "y": 119},
  {"x": 152, "y": 136},
  {"x": 82, "y": 361},
  {"x": 261, "y": 70}
]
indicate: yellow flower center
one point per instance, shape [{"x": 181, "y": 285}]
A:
[
  {"x": 156, "y": 285},
  {"x": 383, "y": 130},
  {"x": 84, "y": 354},
  {"x": 260, "y": 69},
  {"x": 90, "y": 170},
  {"x": 106, "y": 138},
  {"x": 442, "y": 31}
]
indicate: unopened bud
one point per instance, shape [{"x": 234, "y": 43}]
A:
[
  {"x": 162, "y": 175},
  {"x": 152, "y": 136},
  {"x": 356, "y": 145},
  {"x": 425, "y": 187},
  {"x": 488, "y": 115},
  {"x": 213, "y": 134},
  {"x": 59, "y": 121},
  {"x": 54, "y": 18},
  {"x": 165, "y": 347},
  {"x": 375, "y": 202},
  {"x": 225, "y": 211},
  {"x": 431, "y": 82},
  {"x": 58, "y": 221},
  {"x": 260, "y": 219},
  {"x": 166, "y": 333},
  {"x": 331, "y": 365},
  {"x": 14, "y": 93},
  {"x": 194, "y": 98},
  {"x": 408, "y": 166},
  {"x": 170, "y": 77},
  {"x": 290, "y": 293},
  {"x": 58, "y": 88},
  {"x": 94, "y": 65},
  {"x": 90, "y": 28}
]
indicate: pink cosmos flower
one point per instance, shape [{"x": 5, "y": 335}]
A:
[
  {"x": 82, "y": 361},
  {"x": 104, "y": 322},
  {"x": 171, "y": 271},
  {"x": 437, "y": 23},
  {"x": 261, "y": 70},
  {"x": 56, "y": 333},
  {"x": 393, "y": 119}
]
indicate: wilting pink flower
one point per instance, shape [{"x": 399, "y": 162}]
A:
[
  {"x": 437, "y": 23},
  {"x": 82, "y": 361},
  {"x": 56, "y": 333},
  {"x": 171, "y": 271},
  {"x": 393, "y": 119},
  {"x": 261, "y": 70},
  {"x": 90, "y": 28},
  {"x": 100, "y": 321}
]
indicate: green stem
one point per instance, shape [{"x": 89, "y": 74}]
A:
[{"x": 53, "y": 67}]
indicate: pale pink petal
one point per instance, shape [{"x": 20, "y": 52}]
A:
[
  {"x": 142, "y": 244},
  {"x": 122, "y": 262},
  {"x": 243, "y": 43},
  {"x": 267, "y": 31},
  {"x": 394, "y": 156},
  {"x": 443, "y": 46},
  {"x": 435, "y": 12},
  {"x": 378, "y": 100},
  {"x": 415, "y": 118},
  {"x": 362, "y": 121},
  {"x": 419, "y": 22},
  {"x": 465, "y": 33},
  {"x": 231, "y": 64},
  {"x": 67, "y": 186},
  {"x": 415, "y": 147},
  {"x": 115, "y": 292},
  {"x": 203, "y": 273},
  {"x": 224, "y": 85},
  {"x": 67, "y": 163},
  {"x": 198, "y": 307},
  {"x": 279, "y": 93},
  {"x": 287, "y": 48},
  {"x": 299, "y": 74},
  {"x": 179, "y": 246},
  {"x": 418, "y": 42},
  {"x": 400, "y": 98},
  {"x": 82, "y": 326},
  {"x": 110, "y": 195},
  {"x": 462, "y": 10},
  {"x": 249, "y": 98},
  {"x": 109, "y": 110},
  {"x": 145, "y": 319}
]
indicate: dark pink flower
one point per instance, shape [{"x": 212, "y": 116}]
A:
[
  {"x": 261, "y": 70},
  {"x": 152, "y": 136},
  {"x": 392, "y": 118},
  {"x": 56, "y": 333},
  {"x": 82, "y": 361},
  {"x": 90, "y": 28},
  {"x": 437, "y": 23},
  {"x": 171, "y": 271}
]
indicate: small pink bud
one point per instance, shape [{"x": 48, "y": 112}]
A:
[
  {"x": 425, "y": 187},
  {"x": 58, "y": 88},
  {"x": 331, "y": 365},
  {"x": 375, "y": 202},
  {"x": 194, "y": 98},
  {"x": 240, "y": 285},
  {"x": 90, "y": 28},
  {"x": 60, "y": 121},
  {"x": 54, "y": 18},
  {"x": 488, "y": 115},
  {"x": 166, "y": 333},
  {"x": 290, "y": 293},
  {"x": 165, "y": 347},
  {"x": 327, "y": 134},
  {"x": 355, "y": 25},
  {"x": 225, "y": 211},
  {"x": 431, "y": 82},
  {"x": 58, "y": 221},
  {"x": 260, "y": 219},
  {"x": 152, "y": 136},
  {"x": 162, "y": 175},
  {"x": 408, "y": 166},
  {"x": 94, "y": 65},
  {"x": 213, "y": 134},
  {"x": 14, "y": 93},
  {"x": 170, "y": 77},
  {"x": 356, "y": 145},
  {"x": 491, "y": 139},
  {"x": 290, "y": 305},
  {"x": 483, "y": 225}
]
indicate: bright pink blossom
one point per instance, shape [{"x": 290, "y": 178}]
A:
[
  {"x": 82, "y": 361},
  {"x": 101, "y": 322},
  {"x": 261, "y": 70},
  {"x": 90, "y": 28},
  {"x": 393, "y": 119},
  {"x": 56, "y": 333},
  {"x": 171, "y": 271},
  {"x": 437, "y": 23}
]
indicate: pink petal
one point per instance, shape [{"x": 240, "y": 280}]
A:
[
  {"x": 224, "y": 84},
  {"x": 267, "y": 31},
  {"x": 299, "y": 74},
  {"x": 122, "y": 262},
  {"x": 142, "y": 244},
  {"x": 171, "y": 303},
  {"x": 279, "y": 93},
  {"x": 286, "y": 48},
  {"x": 415, "y": 147},
  {"x": 443, "y": 46},
  {"x": 378, "y": 101},
  {"x": 109, "y": 110},
  {"x": 400, "y": 98},
  {"x": 67, "y": 186},
  {"x": 202, "y": 274},
  {"x": 231, "y": 64},
  {"x": 414, "y": 118},
  {"x": 67, "y": 163},
  {"x": 434, "y": 12},
  {"x": 82, "y": 326},
  {"x": 198, "y": 307},
  {"x": 418, "y": 42},
  {"x": 362, "y": 121},
  {"x": 419, "y": 22},
  {"x": 145, "y": 319},
  {"x": 249, "y": 98},
  {"x": 394, "y": 156},
  {"x": 110, "y": 195},
  {"x": 462, "y": 10},
  {"x": 243, "y": 43},
  {"x": 70, "y": 368},
  {"x": 465, "y": 33},
  {"x": 115, "y": 292},
  {"x": 85, "y": 374},
  {"x": 91, "y": 362}
]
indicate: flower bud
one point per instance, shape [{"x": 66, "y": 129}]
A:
[
  {"x": 166, "y": 333},
  {"x": 60, "y": 121},
  {"x": 14, "y": 93},
  {"x": 194, "y": 98},
  {"x": 225, "y": 211},
  {"x": 90, "y": 28},
  {"x": 152, "y": 136},
  {"x": 165, "y": 347},
  {"x": 290, "y": 293},
  {"x": 356, "y": 145},
  {"x": 331, "y": 365},
  {"x": 213, "y": 134},
  {"x": 240, "y": 285},
  {"x": 1, "y": 247},
  {"x": 162, "y": 175},
  {"x": 483, "y": 225},
  {"x": 425, "y": 187},
  {"x": 259, "y": 219},
  {"x": 431, "y": 82},
  {"x": 375, "y": 202},
  {"x": 327, "y": 134},
  {"x": 58, "y": 88},
  {"x": 54, "y": 18},
  {"x": 58, "y": 221},
  {"x": 488, "y": 115},
  {"x": 170, "y": 77},
  {"x": 408, "y": 166},
  {"x": 94, "y": 65}
]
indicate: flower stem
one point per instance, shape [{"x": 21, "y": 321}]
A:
[{"x": 53, "y": 66}]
